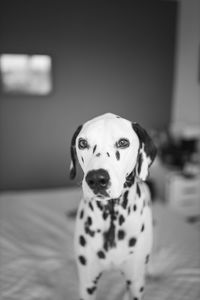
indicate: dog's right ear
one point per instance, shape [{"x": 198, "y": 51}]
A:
[{"x": 73, "y": 153}]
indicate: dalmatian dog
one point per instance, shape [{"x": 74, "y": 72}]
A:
[{"x": 114, "y": 220}]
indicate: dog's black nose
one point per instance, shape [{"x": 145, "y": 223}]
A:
[{"x": 98, "y": 180}]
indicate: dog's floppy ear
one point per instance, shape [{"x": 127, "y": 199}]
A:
[
  {"x": 73, "y": 153},
  {"x": 147, "y": 152}
]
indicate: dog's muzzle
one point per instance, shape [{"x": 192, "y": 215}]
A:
[{"x": 98, "y": 181}]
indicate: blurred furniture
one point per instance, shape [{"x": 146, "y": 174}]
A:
[
  {"x": 183, "y": 193},
  {"x": 176, "y": 171}
]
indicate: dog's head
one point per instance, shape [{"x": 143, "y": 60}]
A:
[{"x": 109, "y": 149}]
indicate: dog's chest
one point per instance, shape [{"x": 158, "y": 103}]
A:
[{"x": 112, "y": 231}]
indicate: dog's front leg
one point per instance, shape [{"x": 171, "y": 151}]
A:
[
  {"x": 88, "y": 264},
  {"x": 135, "y": 267},
  {"x": 89, "y": 275}
]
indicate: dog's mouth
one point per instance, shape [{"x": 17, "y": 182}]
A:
[
  {"x": 103, "y": 198},
  {"x": 101, "y": 194}
]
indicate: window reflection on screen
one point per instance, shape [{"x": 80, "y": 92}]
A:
[{"x": 26, "y": 74}]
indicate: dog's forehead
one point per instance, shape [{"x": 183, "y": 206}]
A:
[{"x": 107, "y": 124}]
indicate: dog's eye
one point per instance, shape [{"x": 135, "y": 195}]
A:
[
  {"x": 83, "y": 144},
  {"x": 123, "y": 143}
]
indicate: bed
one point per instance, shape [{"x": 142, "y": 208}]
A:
[{"x": 37, "y": 260}]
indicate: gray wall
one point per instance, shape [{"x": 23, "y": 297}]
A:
[{"x": 108, "y": 56}]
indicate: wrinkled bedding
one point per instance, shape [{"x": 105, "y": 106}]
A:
[{"x": 37, "y": 260}]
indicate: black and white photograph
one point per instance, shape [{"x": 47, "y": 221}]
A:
[{"x": 100, "y": 150}]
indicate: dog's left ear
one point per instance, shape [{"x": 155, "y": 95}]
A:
[
  {"x": 73, "y": 153},
  {"x": 147, "y": 152}
]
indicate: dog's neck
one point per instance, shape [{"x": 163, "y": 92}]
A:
[{"x": 109, "y": 210}]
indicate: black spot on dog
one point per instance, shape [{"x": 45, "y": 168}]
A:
[
  {"x": 88, "y": 230},
  {"x": 128, "y": 283},
  {"x": 109, "y": 235},
  {"x": 91, "y": 206},
  {"x": 142, "y": 228},
  {"x": 147, "y": 259},
  {"x": 98, "y": 154},
  {"x": 105, "y": 215},
  {"x": 121, "y": 234},
  {"x": 138, "y": 190},
  {"x": 115, "y": 216},
  {"x": 98, "y": 230},
  {"x": 134, "y": 207},
  {"x": 108, "y": 154},
  {"x": 129, "y": 210},
  {"x": 81, "y": 214},
  {"x": 91, "y": 290},
  {"x": 132, "y": 242},
  {"x": 125, "y": 200},
  {"x": 97, "y": 278},
  {"x": 141, "y": 289},
  {"x": 121, "y": 220},
  {"x": 82, "y": 260},
  {"x": 82, "y": 240},
  {"x": 135, "y": 298},
  {"x": 117, "y": 154},
  {"x": 101, "y": 254},
  {"x": 99, "y": 205},
  {"x": 94, "y": 149},
  {"x": 82, "y": 159},
  {"x": 89, "y": 220},
  {"x": 130, "y": 179}
]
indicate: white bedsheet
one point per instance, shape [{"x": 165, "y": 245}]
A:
[{"x": 36, "y": 252}]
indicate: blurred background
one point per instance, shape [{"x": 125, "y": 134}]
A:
[{"x": 138, "y": 59}]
